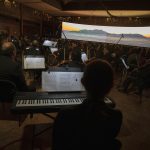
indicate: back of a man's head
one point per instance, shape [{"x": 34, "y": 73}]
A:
[
  {"x": 8, "y": 49},
  {"x": 76, "y": 55},
  {"x": 35, "y": 43},
  {"x": 98, "y": 78}
]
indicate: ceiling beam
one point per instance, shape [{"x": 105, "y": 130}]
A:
[
  {"x": 53, "y": 3},
  {"x": 110, "y": 5}
]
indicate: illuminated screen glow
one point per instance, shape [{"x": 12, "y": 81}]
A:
[{"x": 135, "y": 36}]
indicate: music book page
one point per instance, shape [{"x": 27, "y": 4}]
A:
[
  {"x": 62, "y": 81},
  {"x": 34, "y": 63},
  {"x": 54, "y": 50}
]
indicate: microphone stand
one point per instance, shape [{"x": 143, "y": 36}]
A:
[
  {"x": 120, "y": 39},
  {"x": 64, "y": 45}
]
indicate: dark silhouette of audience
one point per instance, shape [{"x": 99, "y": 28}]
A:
[
  {"x": 92, "y": 124},
  {"x": 9, "y": 69}
]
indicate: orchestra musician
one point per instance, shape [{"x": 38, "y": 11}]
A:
[{"x": 9, "y": 69}]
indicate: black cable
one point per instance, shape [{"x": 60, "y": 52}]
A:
[
  {"x": 107, "y": 10},
  {"x": 122, "y": 36},
  {"x": 65, "y": 41}
]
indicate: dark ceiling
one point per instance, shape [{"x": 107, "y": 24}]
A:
[
  {"x": 116, "y": 12},
  {"x": 101, "y": 4}
]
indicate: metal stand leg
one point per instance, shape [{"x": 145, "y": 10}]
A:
[{"x": 33, "y": 136}]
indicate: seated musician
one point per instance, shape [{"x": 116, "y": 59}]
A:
[
  {"x": 137, "y": 78},
  {"x": 9, "y": 69},
  {"x": 92, "y": 124},
  {"x": 34, "y": 49},
  {"x": 74, "y": 59}
]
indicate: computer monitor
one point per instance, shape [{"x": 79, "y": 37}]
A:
[
  {"x": 62, "y": 81},
  {"x": 34, "y": 62}
]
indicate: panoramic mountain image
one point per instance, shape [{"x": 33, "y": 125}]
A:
[{"x": 136, "y": 36}]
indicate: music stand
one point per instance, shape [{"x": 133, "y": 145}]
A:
[{"x": 33, "y": 62}]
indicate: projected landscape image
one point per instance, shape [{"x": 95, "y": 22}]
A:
[{"x": 136, "y": 36}]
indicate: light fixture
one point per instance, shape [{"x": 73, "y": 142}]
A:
[{"x": 7, "y": 3}]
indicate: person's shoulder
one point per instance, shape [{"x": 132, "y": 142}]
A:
[
  {"x": 75, "y": 64},
  {"x": 7, "y": 61},
  {"x": 64, "y": 63}
]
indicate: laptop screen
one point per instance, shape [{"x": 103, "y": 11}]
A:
[{"x": 56, "y": 81}]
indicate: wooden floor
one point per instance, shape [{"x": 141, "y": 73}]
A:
[{"x": 134, "y": 134}]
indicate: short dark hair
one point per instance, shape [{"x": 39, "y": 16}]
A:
[
  {"x": 35, "y": 43},
  {"x": 7, "y": 49},
  {"x": 98, "y": 78},
  {"x": 76, "y": 55}
]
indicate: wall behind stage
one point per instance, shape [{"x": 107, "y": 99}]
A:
[
  {"x": 52, "y": 28},
  {"x": 10, "y": 21},
  {"x": 11, "y": 25}
]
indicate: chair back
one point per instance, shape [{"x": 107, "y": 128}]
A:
[{"x": 7, "y": 90}]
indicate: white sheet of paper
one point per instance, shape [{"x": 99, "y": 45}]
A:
[
  {"x": 123, "y": 61},
  {"x": 84, "y": 57},
  {"x": 34, "y": 63},
  {"x": 62, "y": 81},
  {"x": 54, "y": 50},
  {"x": 49, "y": 43}
]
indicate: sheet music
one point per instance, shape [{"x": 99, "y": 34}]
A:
[
  {"x": 49, "y": 43},
  {"x": 84, "y": 57},
  {"x": 62, "y": 81},
  {"x": 54, "y": 50},
  {"x": 127, "y": 67},
  {"x": 34, "y": 62}
]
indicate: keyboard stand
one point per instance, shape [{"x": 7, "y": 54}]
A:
[
  {"x": 53, "y": 118},
  {"x": 41, "y": 132}
]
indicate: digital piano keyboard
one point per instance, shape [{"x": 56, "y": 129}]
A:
[{"x": 42, "y": 102}]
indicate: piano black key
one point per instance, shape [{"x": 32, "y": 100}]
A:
[
  {"x": 52, "y": 101},
  {"x": 23, "y": 101},
  {"x": 65, "y": 101},
  {"x": 19, "y": 102}
]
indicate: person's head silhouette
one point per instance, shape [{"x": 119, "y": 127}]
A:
[
  {"x": 97, "y": 78},
  {"x": 8, "y": 49}
]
